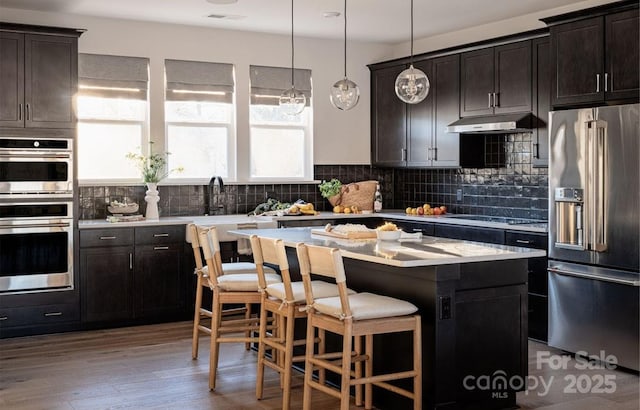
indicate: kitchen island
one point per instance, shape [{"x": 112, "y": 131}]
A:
[{"x": 473, "y": 301}]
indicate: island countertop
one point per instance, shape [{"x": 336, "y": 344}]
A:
[{"x": 427, "y": 251}]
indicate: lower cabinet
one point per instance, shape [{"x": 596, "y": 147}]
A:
[
  {"x": 132, "y": 275},
  {"x": 538, "y": 281}
]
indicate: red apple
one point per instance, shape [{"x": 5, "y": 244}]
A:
[
  {"x": 437, "y": 211},
  {"x": 420, "y": 210}
]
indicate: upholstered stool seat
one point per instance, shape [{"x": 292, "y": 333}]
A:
[
  {"x": 321, "y": 288},
  {"x": 245, "y": 282},
  {"x": 364, "y": 306}
]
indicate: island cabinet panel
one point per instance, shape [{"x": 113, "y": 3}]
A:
[
  {"x": 474, "y": 321},
  {"x": 39, "y": 80},
  {"x": 468, "y": 233},
  {"x": 133, "y": 275}
]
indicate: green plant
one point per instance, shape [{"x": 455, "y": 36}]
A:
[
  {"x": 330, "y": 188},
  {"x": 153, "y": 167}
]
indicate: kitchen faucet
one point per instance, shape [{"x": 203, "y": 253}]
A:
[{"x": 214, "y": 197}]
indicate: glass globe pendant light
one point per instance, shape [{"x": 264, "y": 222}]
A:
[
  {"x": 412, "y": 85},
  {"x": 292, "y": 101},
  {"x": 345, "y": 93}
]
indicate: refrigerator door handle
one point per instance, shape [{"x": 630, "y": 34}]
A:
[
  {"x": 595, "y": 227},
  {"x": 594, "y": 276}
]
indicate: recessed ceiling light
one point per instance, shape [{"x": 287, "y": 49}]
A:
[
  {"x": 222, "y": 1},
  {"x": 331, "y": 14}
]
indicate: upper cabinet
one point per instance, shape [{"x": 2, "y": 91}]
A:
[
  {"x": 541, "y": 102},
  {"x": 594, "y": 59},
  {"x": 39, "y": 80},
  {"x": 413, "y": 135},
  {"x": 496, "y": 80},
  {"x": 388, "y": 119}
]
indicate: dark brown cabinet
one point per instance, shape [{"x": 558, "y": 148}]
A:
[
  {"x": 470, "y": 233},
  {"x": 388, "y": 119},
  {"x": 496, "y": 80},
  {"x": 541, "y": 102},
  {"x": 39, "y": 80},
  {"x": 537, "y": 277},
  {"x": 132, "y": 275},
  {"x": 595, "y": 60},
  {"x": 414, "y": 135}
]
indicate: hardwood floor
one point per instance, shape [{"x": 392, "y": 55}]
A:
[{"x": 150, "y": 367}]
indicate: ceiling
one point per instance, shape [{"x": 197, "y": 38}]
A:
[{"x": 385, "y": 21}]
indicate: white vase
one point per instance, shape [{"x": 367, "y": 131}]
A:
[{"x": 152, "y": 200}]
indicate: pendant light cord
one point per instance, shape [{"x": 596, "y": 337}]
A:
[
  {"x": 292, "y": 48},
  {"x": 411, "y": 60},
  {"x": 345, "y": 38}
]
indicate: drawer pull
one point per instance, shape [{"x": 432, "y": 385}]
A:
[
  {"x": 160, "y": 248},
  {"x": 160, "y": 235},
  {"x": 50, "y": 314},
  {"x": 107, "y": 238},
  {"x": 525, "y": 241},
  {"x": 4, "y": 317}
]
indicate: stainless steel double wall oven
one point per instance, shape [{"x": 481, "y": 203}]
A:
[{"x": 36, "y": 214}]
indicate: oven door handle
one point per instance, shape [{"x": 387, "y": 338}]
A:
[{"x": 28, "y": 226}]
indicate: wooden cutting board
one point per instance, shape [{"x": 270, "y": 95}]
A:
[{"x": 345, "y": 235}]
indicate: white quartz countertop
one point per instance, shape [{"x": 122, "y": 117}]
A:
[
  {"x": 271, "y": 221},
  {"x": 428, "y": 251}
]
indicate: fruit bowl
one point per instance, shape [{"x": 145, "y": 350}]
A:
[{"x": 120, "y": 208}]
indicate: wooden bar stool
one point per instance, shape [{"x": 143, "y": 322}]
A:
[
  {"x": 228, "y": 288},
  {"x": 202, "y": 283},
  {"x": 354, "y": 316},
  {"x": 283, "y": 300}
]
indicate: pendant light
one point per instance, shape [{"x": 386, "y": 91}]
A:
[
  {"x": 412, "y": 85},
  {"x": 345, "y": 93},
  {"x": 292, "y": 101}
]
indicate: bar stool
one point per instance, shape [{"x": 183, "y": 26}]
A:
[
  {"x": 354, "y": 316},
  {"x": 228, "y": 288},
  {"x": 202, "y": 282},
  {"x": 283, "y": 300}
]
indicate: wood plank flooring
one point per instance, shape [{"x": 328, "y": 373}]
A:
[{"x": 150, "y": 367}]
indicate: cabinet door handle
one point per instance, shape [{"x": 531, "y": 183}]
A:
[
  {"x": 50, "y": 314},
  {"x": 435, "y": 154},
  {"x": 496, "y": 99},
  {"x": 20, "y": 112},
  {"x": 4, "y": 317},
  {"x": 130, "y": 261},
  {"x": 597, "y": 83},
  {"x": 606, "y": 82},
  {"x": 524, "y": 241},
  {"x": 403, "y": 154},
  {"x": 160, "y": 248},
  {"x": 489, "y": 103},
  {"x": 536, "y": 151},
  {"x": 107, "y": 238},
  {"x": 28, "y": 111},
  {"x": 160, "y": 235}
]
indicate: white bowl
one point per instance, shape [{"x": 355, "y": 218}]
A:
[{"x": 388, "y": 235}]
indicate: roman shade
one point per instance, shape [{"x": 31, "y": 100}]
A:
[
  {"x": 267, "y": 83},
  {"x": 113, "y": 76},
  {"x": 198, "y": 81}
]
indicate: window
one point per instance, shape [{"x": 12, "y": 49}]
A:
[
  {"x": 281, "y": 146},
  {"x": 112, "y": 116},
  {"x": 200, "y": 119}
]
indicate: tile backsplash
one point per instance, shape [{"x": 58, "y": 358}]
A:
[{"x": 516, "y": 189}]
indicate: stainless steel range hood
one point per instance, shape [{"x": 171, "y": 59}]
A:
[{"x": 494, "y": 124}]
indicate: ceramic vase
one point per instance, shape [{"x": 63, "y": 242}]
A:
[{"x": 152, "y": 198}]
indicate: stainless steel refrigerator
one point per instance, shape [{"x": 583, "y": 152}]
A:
[{"x": 594, "y": 232}]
